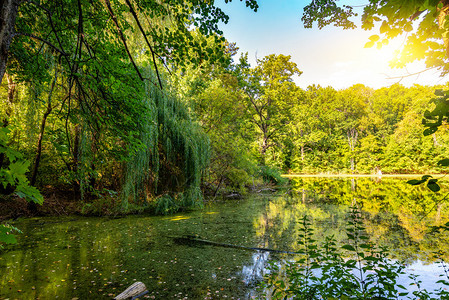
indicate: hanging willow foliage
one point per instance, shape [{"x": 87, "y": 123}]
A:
[
  {"x": 122, "y": 136},
  {"x": 167, "y": 133}
]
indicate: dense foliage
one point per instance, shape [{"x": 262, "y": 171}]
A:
[
  {"x": 319, "y": 129},
  {"x": 86, "y": 99},
  {"x": 125, "y": 106}
]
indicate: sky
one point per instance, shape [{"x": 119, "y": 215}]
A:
[{"x": 328, "y": 57}]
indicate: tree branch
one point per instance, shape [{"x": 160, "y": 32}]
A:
[
  {"x": 42, "y": 40},
  {"x": 409, "y": 74},
  {"x": 122, "y": 37},
  {"x": 133, "y": 12}
]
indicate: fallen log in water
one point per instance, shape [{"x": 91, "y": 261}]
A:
[
  {"x": 134, "y": 291},
  {"x": 193, "y": 239}
]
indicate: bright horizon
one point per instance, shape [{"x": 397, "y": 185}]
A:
[{"x": 328, "y": 57}]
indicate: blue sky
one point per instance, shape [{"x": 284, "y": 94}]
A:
[{"x": 329, "y": 57}]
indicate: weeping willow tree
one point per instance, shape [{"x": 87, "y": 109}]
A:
[{"x": 173, "y": 153}]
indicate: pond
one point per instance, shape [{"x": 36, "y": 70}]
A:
[{"x": 85, "y": 258}]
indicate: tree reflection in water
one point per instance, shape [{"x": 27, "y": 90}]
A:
[{"x": 101, "y": 257}]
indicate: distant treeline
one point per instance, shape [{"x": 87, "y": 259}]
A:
[{"x": 259, "y": 116}]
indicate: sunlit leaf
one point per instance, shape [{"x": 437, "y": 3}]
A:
[
  {"x": 369, "y": 44},
  {"x": 384, "y": 27},
  {"x": 374, "y": 38}
]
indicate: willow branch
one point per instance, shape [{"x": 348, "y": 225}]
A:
[{"x": 37, "y": 5}]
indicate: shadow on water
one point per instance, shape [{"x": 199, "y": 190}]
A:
[{"x": 218, "y": 252}]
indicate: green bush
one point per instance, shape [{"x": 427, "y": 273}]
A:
[{"x": 272, "y": 175}]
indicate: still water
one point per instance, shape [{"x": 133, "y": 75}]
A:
[{"x": 97, "y": 258}]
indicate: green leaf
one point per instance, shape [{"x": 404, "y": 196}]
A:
[
  {"x": 415, "y": 182},
  {"x": 6, "y": 236},
  {"x": 30, "y": 193},
  {"x": 348, "y": 247},
  {"x": 433, "y": 186},
  {"x": 444, "y": 162},
  {"x": 428, "y": 115},
  {"x": 19, "y": 167},
  {"x": 430, "y": 131}
]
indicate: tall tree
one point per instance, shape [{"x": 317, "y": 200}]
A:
[
  {"x": 352, "y": 107},
  {"x": 269, "y": 95}
]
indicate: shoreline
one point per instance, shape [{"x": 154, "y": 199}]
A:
[{"x": 359, "y": 175}]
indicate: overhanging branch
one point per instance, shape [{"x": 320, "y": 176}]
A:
[
  {"x": 42, "y": 40},
  {"x": 133, "y": 12},
  {"x": 122, "y": 37}
]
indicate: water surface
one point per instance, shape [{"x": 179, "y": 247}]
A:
[{"x": 86, "y": 258}]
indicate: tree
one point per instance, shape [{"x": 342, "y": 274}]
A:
[
  {"x": 269, "y": 96},
  {"x": 311, "y": 124}
]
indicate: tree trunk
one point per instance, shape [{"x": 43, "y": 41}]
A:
[
  {"x": 11, "y": 93},
  {"x": 8, "y": 13},
  {"x": 39, "y": 145},
  {"x": 263, "y": 151},
  {"x": 435, "y": 141},
  {"x": 438, "y": 214},
  {"x": 32, "y": 206},
  {"x": 302, "y": 152},
  {"x": 264, "y": 147},
  {"x": 75, "y": 157},
  {"x": 8, "y": 110},
  {"x": 41, "y": 133}
]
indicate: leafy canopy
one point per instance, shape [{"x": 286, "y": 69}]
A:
[{"x": 423, "y": 21}]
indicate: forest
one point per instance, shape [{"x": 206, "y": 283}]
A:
[
  {"x": 122, "y": 107},
  {"x": 120, "y": 130}
]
